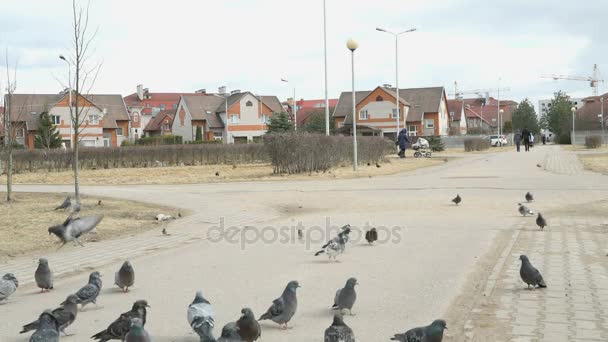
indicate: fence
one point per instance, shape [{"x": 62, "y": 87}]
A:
[{"x": 579, "y": 136}]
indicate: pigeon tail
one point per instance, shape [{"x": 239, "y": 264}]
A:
[
  {"x": 30, "y": 327},
  {"x": 265, "y": 317},
  {"x": 542, "y": 284},
  {"x": 320, "y": 252},
  {"x": 399, "y": 337}
]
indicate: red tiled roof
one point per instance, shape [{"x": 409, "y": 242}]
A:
[
  {"x": 158, "y": 99},
  {"x": 156, "y": 123},
  {"x": 490, "y": 113},
  {"x": 305, "y": 104},
  {"x": 455, "y": 106},
  {"x": 592, "y": 107}
]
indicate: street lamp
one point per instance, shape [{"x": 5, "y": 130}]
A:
[
  {"x": 396, "y": 35},
  {"x": 62, "y": 57},
  {"x": 295, "y": 106},
  {"x": 352, "y": 46},
  {"x": 602, "y": 118},
  {"x": 573, "y": 137},
  {"x": 501, "y": 112},
  {"x": 325, "y": 56}
]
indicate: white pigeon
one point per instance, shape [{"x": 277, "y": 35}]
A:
[
  {"x": 524, "y": 210},
  {"x": 163, "y": 217},
  {"x": 333, "y": 248},
  {"x": 201, "y": 317}
]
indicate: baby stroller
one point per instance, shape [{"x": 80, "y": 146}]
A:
[{"x": 422, "y": 148}]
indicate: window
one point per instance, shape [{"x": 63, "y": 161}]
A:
[
  {"x": 20, "y": 132},
  {"x": 162, "y": 106},
  {"x": 147, "y": 105},
  {"x": 412, "y": 130},
  {"x": 56, "y": 119},
  {"x": 33, "y": 113},
  {"x": 394, "y": 113},
  {"x": 249, "y": 104},
  {"x": 174, "y": 106},
  {"x": 119, "y": 131},
  {"x": 379, "y": 98},
  {"x": 451, "y": 113},
  {"x": 363, "y": 114},
  {"x": 429, "y": 123},
  {"x": 218, "y": 135},
  {"x": 234, "y": 118},
  {"x": 265, "y": 119},
  {"x": 94, "y": 120},
  {"x": 166, "y": 126},
  {"x": 135, "y": 117}
]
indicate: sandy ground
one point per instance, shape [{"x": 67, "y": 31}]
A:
[
  {"x": 595, "y": 162},
  {"x": 24, "y": 222}
]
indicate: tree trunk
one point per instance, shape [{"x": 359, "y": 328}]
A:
[
  {"x": 9, "y": 175},
  {"x": 76, "y": 166}
]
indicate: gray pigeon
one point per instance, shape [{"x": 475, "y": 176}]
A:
[
  {"x": 73, "y": 228},
  {"x": 338, "y": 331},
  {"x": 8, "y": 286},
  {"x": 346, "y": 297},
  {"x": 334, "y": 247},
  {"x": 137, "y": 333},
  {"x": 65, "y": 205},
  {"x": 88, "y": 293},
  {"x": 230, "y": 333},
  {"x": 44, "y": 275},
  {"x": 524, "y": 210},
  {"x": 201, "y": 317},
  {"x": 76, "y": 208},
  {"x": 48, "y": 328},
  {"x": 248, "y": 328},
  {"x": 65, "y": 315},
  {"x": 541, "y": 222},
  {"x": 457, "y": 199},
  {"x": 529, "y": 274},
  {"x": 283, "y": 308},
  {"x": 529, "y": 197},
  {"x": 121, "y": 326},
  {"x": 125, "y": 277},
  {"x": 430, "y": 333}
]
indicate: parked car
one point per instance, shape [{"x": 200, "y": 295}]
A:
[{"x": 498, "y": 140}]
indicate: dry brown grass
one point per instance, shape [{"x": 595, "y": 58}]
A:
[
  {"x": 579, "y": 148},
  {"x": 595, "y": 162},
  {"x": 207, "y": 173},
  {"x": 24, "y": 222}
]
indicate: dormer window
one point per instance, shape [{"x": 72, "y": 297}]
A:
[
  {"x": 249, "y": 104},
  {"x": 379, "y": 99}
]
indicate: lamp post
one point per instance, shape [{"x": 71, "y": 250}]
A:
[
  {"x": 396, "y": 35},
  {"x": 325, "y": 56},
  {"x": 602, "y": 118},
  {"x": 573, "y": 137},
  {"x": 352, "y": 46},
  {"x": 295, "y": 106},
  {"x": 69, "y": 94},
  {"x": 500, "y": 115},
  {"x": 226, "y": 96}
]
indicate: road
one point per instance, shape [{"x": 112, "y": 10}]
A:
[{"x": 433, "y": 250}]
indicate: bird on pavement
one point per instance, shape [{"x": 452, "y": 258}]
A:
[
  {"x": 66, "y": 204},
  {"x": 230, "y": 333},
  {"x": 338, "y": 331},
  {"x": 333, "y": 247},
  {"x": 248, "y": 328},
  {"x": 217, "y": 174},
  {"x": 430, "y": 333},
  {"x": 529, "y": 274},
  {"x": 378, "y": 165},
  {"x": 125, "y": 277},
  {"x": 524, "y": 210},
  {"x": 529, "y": 197},
  {"x": 65, "y": 315},
  {"x": 88, "y": 293},
  {"x": 121, "y": 326},
  {"x": 345, "y": 232},
  {"x": 345, "y": 298},
  {"x": 99, "y": 202},
  {"x": 201, "y": 317},
  {"x": 541, "y": 222},
  {"x": 48, "y": 328},
  {"x": 73, "y": 228},
  {"x": 457, "y": 199},
  {"x": 44, "y": 275},
  {"x": 371, "y": 235},
  {"x": 137, "y": 333},
  {"x": 283, "y": 308},
  {"x": 8, "y": 286}
]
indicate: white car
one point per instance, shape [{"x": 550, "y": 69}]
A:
[{"x": 498, "y": 140}]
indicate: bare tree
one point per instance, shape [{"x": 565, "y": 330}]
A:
[{"x": 81, "y": 82}]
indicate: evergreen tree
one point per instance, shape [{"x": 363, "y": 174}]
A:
[
  {"x": 280, "y": 122},
  {"x": 48, "y": 135},
  {"x": 559, "y": 117},
  {"x": 316, "y": 123},
  {"x": 199, "y": 133},
  {"x": 525, "y": 117}
]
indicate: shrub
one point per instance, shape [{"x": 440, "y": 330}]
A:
[
  {"x": 435, "y": 143},
  {"x": 160, "y": 140},
  {"x": 476, "y": 144},
  {"x": 563, "y": 139},
  {"x": 593, "y": 141}
]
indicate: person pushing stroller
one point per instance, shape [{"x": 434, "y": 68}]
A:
[{"x": 402, "y": 141}]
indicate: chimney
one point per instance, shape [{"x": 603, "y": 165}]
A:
[
  {"x": 201, "y": 91},
  {"x": 237, "y": 91},
  {"x": 105, "y": 111},
  {"x": 221, "y": 90},
  {"x": 140, "y": 92},
  {"x": 386, "y": 85}
]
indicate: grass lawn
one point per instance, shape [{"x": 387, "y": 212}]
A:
[
  {"x": 595, "y": 162},
  {"x": 579, "y": 148},
  {"x": 24, "y": 222}
]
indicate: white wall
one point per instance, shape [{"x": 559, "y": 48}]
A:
[
  {"x": 443, "y": 117},
  {"x": 186, "y": 130}
]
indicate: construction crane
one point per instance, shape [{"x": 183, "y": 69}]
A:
[
  {"x": 479, "y": 92},
  {"x": 593, "y": 80}
]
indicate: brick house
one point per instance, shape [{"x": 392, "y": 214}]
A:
[
  {"x": 482, "y": 114},
  {"x": 245, "y": 120},
  {"x": 160, "y": 124},
  {"x": 106, "y": 120},
  {"x": 589, "y": 116}
]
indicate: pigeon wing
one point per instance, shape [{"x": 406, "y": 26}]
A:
[
  {"x": 83, "y": 225},
  {"x": 415, "y": 335},
  {"x": 336, "y": 298},
  {"x": 87, "y": 292},
  {"x": 277, "y": 308},
  {"x": 201, "y": 310},
  {"x": 7, "y": 288}
]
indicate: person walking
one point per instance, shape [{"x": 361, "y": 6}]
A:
[
  {"x": 517, "y": 139},
  {"x": 402, "y": 141},
  {"x": 526, "y": 136}
]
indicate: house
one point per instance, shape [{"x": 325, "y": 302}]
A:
[
  {"x": 238, "y": 117},
  {"x": 377, "y": 113},
  {"x": 143, "y": 106},
  {"x": 483, "y": 114},
  {"x": 160, "y": 124},
  {"x": 105, "y": 120},
  {"x": 307, "y": 109},
  {"x": 458, "y": 121},
  {"x": 589, "y": 116}
]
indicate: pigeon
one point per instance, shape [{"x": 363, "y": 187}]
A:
[
  {"x": 179, "y": 215},
  {"x": 378, "y": 165},
  {"x": 369, "y": 164},
  {"x": 65, "y": 315},
  {"x": 529, "y": 197},
  {"x": 248, "y": 328},
  {"x": 283, "y": 308},
  {"x": 333, "y": 248},
  {"x": 137, "y": 333},
  {"x": 529, "y": 274},
  {"x": 48, "y": 328},
  {"x": 430, "y": 333},
  {"x": 338, "y": 331},
  {"x": 540, "y": 221},
  {"x": 73, "y": 228},
  {"x": 165, "y": 233},
  {"x": 230, "y": 333},
  {"x": 125, "y": 277},
  {"x": 99, "y": 202},
  {"x": 121, "y": 326},
  {"x": 345, "y": 232},
  {"x": 88, "y": 293},
  {"x": 346, "y": 297},
  {"x": 76, "y": 208},
  {"x": 300, "y": 234},
  {"x": 457, "y": 199},
  {"x": 538, "y": 165},
  {"x": 163, "y": 217},
  {"x": 524, "y": 210},
  {"x": 65, "y": 205},
  {"x": 8, "y": 286},
  {"x": 44, "y": 275},
  {"x": 201, "y": 317},
  {"x": 217, "y": 174},
  {"x": 371, "y": 236}
]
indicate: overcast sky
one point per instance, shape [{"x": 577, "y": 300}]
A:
[{"x": 184, "y": 45}]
